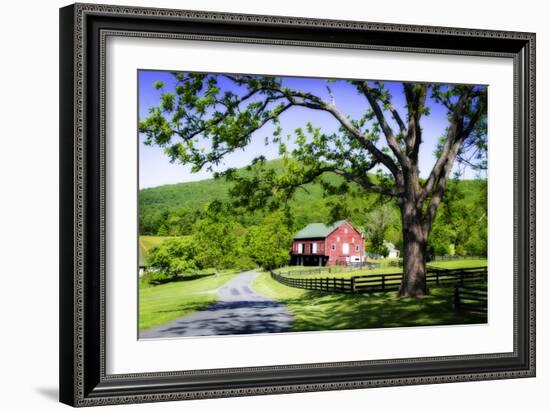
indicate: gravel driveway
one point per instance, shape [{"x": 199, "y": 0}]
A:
[{"x": 239, "y": 310}]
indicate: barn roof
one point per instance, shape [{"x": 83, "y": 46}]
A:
[{"x": 317, "y": 230}]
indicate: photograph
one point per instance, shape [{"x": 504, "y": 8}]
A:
[{"x": 283, "y": 204}]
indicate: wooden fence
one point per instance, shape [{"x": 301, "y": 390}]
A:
[
  {"x": 381, "y": 282},
  {"x": 329, "y": 270},
  {"x": 313, "y": 271},
  {"x": 470, "y": 298},
  {"x": 458, "y": 257}
]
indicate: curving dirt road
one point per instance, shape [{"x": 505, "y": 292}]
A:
[{"x": 239, "y": 310}]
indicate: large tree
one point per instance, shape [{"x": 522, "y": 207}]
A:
[{"x": 204, "y": 117}]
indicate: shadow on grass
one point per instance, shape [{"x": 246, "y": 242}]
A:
[
  {"x": 155, "y": 317},
  {"x": 177, "y": 278},
  {"x": 316, "y": 311},
  {"x": 187, "y": 307}
]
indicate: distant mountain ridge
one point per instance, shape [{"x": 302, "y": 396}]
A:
[{"x": 158, "y": 203}]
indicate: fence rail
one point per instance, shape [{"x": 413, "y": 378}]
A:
[
  {"x": 470, "y": 298},
  {"x": 330, "y": 270},
  {"x": 458, "y": 257},
  {"x": 381, "y": 282}
]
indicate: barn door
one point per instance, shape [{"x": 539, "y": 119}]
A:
[{"x": 345, "y": 248}]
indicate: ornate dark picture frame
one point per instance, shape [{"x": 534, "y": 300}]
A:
[{"x": 83, "y": 30}]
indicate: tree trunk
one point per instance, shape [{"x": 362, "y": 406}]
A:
[{"x": 415, "y": 240}]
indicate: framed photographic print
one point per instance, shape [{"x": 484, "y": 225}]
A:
[{"x": 262, "y": 204}]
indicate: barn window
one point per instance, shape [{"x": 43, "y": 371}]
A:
[
  {"x": 333, "y": 247},
  {"x": 345, "y": 230},
  {"x": 345, "y": 248},
  {"x": 356, "y": 247}
]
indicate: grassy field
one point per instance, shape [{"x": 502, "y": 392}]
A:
[
  {"x": 386, "y": 262},
  {"x": 383, "y": 269},
  {"x": 146, "y": 242},
  {"x": 315, "y": 311},
  {"x": 163, "y": 303},
  {"x": 339, "y": 274},
  {"x": 456, "y": 264}
]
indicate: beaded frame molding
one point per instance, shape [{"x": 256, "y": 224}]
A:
[{"x": 83, "y": 32}]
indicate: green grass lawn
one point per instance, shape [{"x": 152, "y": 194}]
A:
[
  {"x": 314, "y": 311},
  {"x": 163, "y": 303},
  {"x": 386, "y": 262},
  {"x": 340, "y": 274},
  {"x": 456, "y": 264}
]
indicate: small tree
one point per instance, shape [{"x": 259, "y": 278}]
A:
[
  {"x": 174, "y": 256},
  {"x": 378, "y": 221},
  {"x": 269, "y": 243},
  {"x": 163, "y": 231},
  {"x": 218, "y": 237}
]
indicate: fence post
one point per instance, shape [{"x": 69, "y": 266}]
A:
[
  {"x": 457, "y": 298},
  {"x": 383, "y": 283},
  {"x": 353, "y": 285},
  {"x": 437, "y": 277}
]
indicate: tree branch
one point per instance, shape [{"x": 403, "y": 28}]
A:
[
  {"x": 457, "y": 134},
  {"x": 453, "y": 133},
  {"x": 366, "y": 183},
  {"x": 415, "y": 103},
  {"x": 299, "y": 98},
  {"x": 389, "y": 106},
  {"x": 344, "y": 121},
  {"x": 440, "y": 187},
  {"x": 388, "y": 132}
]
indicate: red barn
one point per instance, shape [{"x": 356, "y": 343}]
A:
[{"x": 319, "y": 244}]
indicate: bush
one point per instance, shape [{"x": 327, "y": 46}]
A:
[{"x": 174, "y": 256}]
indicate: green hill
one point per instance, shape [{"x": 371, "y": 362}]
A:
[
  {"x": 172, "y": 209},
  {"x": 179, "y": 204}
]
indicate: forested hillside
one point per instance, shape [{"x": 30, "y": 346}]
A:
[{"x": 460, "y": 226}]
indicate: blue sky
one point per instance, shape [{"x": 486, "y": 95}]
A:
[{"x": 155, "y": 168}]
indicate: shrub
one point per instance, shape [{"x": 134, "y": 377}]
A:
[{"x": 174, "y": 256}]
